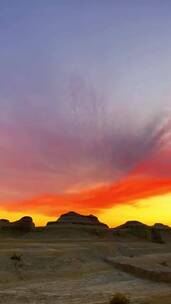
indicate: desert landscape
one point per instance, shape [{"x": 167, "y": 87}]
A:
[
  {"x": 85, "y": 152},
  {"x": 79, "y": 260}
]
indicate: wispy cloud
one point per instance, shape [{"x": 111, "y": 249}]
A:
[
  {"x": 150, "y": 177},
  {"x": 76, "y": 143}
]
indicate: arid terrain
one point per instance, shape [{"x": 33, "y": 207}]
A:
[{"x": 57, "y": 266}]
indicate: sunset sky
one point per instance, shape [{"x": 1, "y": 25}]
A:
[{"x": 85, "y": 109}]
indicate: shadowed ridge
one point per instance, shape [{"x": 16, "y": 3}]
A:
[
  {"x": 74, "y": 225},
  {"x": 77, "y": 219},
  {"x": 132, "y": 224},
  {"x": 139, "y": 230},
  {"x": 4, "y": 222},
  {"x": 161, "y": 226},
  {"x": 23, "y": 225}
]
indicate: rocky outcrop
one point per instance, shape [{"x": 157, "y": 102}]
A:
[
  {"x": 24, "y": 225},
  {"x": 161, "y": 226},
  {"x": 133, "y": 224},
  {"x": 142, "y": 267},
  {"x": 164, "y": 231},
  {"x": 74, "y": 218},
  {"x": 139, "y": 230},
  {"x": 73, "y": 224},
  {"x": 4, "y": 223},
  {"x": 133, "y": 228}
]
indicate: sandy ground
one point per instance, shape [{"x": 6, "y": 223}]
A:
[{"x": 76, "y": 272}]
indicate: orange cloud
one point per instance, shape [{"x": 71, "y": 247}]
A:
[
  {"x": 127, "y": 191},
  {"x": 150, "y": 178}
]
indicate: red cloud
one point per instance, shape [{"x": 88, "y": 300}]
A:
[
  {"x": 150, "y": 178},
  {"x": 126, "y": 191}
]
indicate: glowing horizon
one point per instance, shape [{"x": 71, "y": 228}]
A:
[{"x": 142, "y": 211}]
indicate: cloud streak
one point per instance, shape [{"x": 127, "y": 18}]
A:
[
  {"x": 76, "y": 144},
  {"x": 93, "y": 201},
  {"x": 151, "y": 177}
]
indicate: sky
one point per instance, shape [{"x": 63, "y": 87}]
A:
[{"x": 85, "y": 108}]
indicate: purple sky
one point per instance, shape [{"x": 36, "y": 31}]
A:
[{"x": 84, "y": 87}]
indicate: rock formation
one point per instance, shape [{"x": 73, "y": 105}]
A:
[
  {"x": 73, "y": 224},
  {"x": 4, "y": 223},
  {"x": 24, "y": 225},
  {"x": 74, "y": 218},
  {"x": 161, "y": 226},
  {"x": 164, "y": 231},
  {"x": 138, "y": 230}
]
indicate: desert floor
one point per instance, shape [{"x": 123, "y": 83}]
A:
[{"x": 80, "y": 271}]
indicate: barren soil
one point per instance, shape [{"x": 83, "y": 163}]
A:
[{"x": 66, "y": 272}]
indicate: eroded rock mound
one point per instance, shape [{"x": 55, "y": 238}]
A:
[
  {"x": 164, "y": 231},
  {"x": 139, "y": 230},
  {"x": 4, "y": 223},
  {"x": 78, "y": 219},
  {"x": 25, "y": 224},
  {"x": 73, "y": 224},
  {"x": 161, "y": 226}
]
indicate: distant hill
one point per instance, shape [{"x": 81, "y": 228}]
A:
[
  {"x": 73, "y": 225},
  {"x": 142, "y": 231}
]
